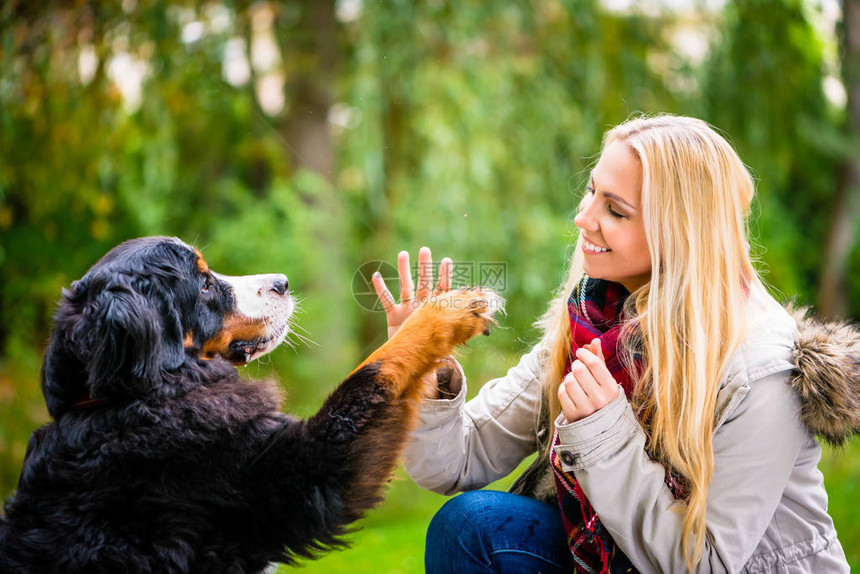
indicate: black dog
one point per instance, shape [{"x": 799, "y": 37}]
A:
[{"x": 161, "y": 459}]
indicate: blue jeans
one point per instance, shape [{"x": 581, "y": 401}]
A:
[{"x": 489, "y": 531}]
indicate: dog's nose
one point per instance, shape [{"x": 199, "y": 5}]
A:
[{"x": 281, "y": 285}]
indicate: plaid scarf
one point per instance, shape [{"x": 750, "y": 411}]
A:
[{"x": 595, "y": 309}]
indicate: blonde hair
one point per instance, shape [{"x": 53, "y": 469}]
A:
[{"x": 689, "y": 318}]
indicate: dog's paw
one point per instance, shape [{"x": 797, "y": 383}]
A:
[
  {"x": 457, "y": 316},
  {"x": 431, "y": 333}
]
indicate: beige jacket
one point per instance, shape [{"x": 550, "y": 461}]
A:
[{"x": 767, "y": 507}]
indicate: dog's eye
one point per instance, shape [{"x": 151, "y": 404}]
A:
[{"x": 205, "y": 288}]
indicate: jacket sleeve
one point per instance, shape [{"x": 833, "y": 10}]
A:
[
  {"x": 461, "y": 445},
  {"x": 756, "y": 443}
]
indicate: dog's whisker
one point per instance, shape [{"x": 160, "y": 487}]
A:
[
  {"x": 295, "y": 330},
  {"x": 302, "y": 336},
  {"x": 300, "y": 339}
]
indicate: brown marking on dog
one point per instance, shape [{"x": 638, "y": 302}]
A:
[
  {"x": 236, "y": 328},
  {"x": 202, "y": 266}
]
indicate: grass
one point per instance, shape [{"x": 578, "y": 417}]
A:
[
  {"x": 391, "y": 537},
  {"x": 841, "y": 468}
]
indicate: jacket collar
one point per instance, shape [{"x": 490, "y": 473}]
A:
[{"x": 822, "y": 357}]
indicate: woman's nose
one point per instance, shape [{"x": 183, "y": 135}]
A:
[{"x": 584, "y": 219}]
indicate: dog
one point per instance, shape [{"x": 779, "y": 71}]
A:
[{"x": 160, "y": 458}]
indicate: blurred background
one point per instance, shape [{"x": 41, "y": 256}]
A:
[{"x": 318, "y": 138}]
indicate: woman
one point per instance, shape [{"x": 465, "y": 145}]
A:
[{"x": 673, "y": 429}]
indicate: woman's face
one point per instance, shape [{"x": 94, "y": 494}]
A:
[{"x": 610, "y": 220}]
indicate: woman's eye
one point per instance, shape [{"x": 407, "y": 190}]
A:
[{"x": 614, "y": 213}]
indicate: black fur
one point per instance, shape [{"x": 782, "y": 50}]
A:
[{"x": 182, "y": 466}]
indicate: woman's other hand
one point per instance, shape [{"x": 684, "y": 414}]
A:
[{"x": 589, "y": 386}]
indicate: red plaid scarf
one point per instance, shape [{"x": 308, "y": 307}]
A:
[{"x": 595, "y": 309}]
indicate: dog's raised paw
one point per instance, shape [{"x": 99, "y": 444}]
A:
[{"x": 461, "y": 314}]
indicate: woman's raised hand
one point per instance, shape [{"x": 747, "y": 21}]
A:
[{"x": 410, "y": 298}]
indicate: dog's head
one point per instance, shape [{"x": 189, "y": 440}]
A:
[{"x": 146, "y": 308}]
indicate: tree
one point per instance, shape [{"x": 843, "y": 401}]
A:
[
  {"x": 833, "y": 295},
  {"x": 789, "y": 136}
]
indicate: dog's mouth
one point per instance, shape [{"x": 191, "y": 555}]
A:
[
  {"x": 243, "y": 351},
  {"x": 243, "y": 339}
]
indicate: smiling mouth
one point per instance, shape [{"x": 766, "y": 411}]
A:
[{"x": 592, "y": 248}]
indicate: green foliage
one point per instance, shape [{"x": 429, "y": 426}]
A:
[
  {"x": 763, "y": 86},
  {"x": 841, "y": 467},
  {"x": 467, "y": 127}
]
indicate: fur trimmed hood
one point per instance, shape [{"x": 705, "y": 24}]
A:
[{"x": 827, "y": 378}]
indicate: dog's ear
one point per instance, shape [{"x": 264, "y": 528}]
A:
[
  {"x": 113, "y": 346},
  {"x": 63, "y": 377},
  {"x": 125, "y": 341},
  {"x": 134, "y": 338}
]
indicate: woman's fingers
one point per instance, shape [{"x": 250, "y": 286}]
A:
[
  {"x": 408, "y": 290},
  {"x": 404, "y": 273},
  {"x": 584, "y": 379},
  {"x": 425, "y": 273},
  {"x": 382, "y": 292},
  {"x": 568, "y": 406},
  {"x": 595, "y": 347},
  {"x": 575, "y": 394},
  {"x": 446, "y": 271},
  {"x": 589, "y": 386},
  {"x": 596, "y": 367}
]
